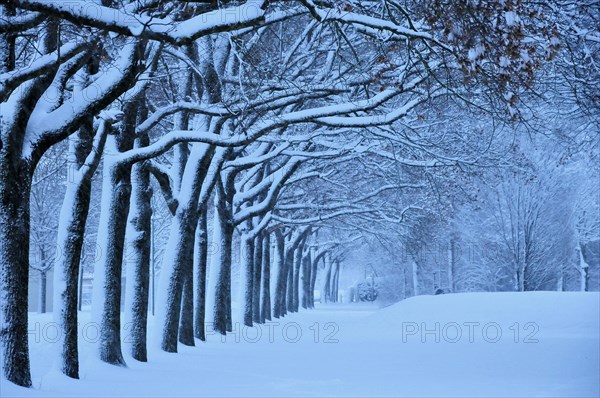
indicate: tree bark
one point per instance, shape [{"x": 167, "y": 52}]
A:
[
  {"x": 179, "y": 254},
  {"x": 116, "y": 192},
  {"x": 313, "y": 280},
  {"x": 296, "y": 278},
  {"x": 281, "y": 277},
  {"x": 306, "y": 277},
  {"x": 584, "y": 271},
  {"x": 186, "y": 324},
  {"x": 326, "y": 295},
  {"x": 15, "y": 186},
  {"x": 186, "y": 321},
  {"x": 43, "y": 283},
  {"x": 11, "y": 145},
  {"x": 79, "y": 289},
  {"x": 201, "y": 258},
  {"x": 247, "y": 277},
  {"x": 452, "y": 265},
  {"x": 70, "y": 239},
  {"x": 265, "y": 301},
  {"x": 228, "y": 308},
  {"x": 16, "y": 173},
  {"x": 415, "y": 278},
  {"x": 7, "y": 44},
  {"x": 180, "y": 248},
  {"x": 405, "y": 279},
  {"x": 220, "y": 270},
  {"x": 335, "y": 283},
  {"x": 258, "y": 257},
  {"x": 139, "y": 235},
  {"x": 289, "y": 301}
]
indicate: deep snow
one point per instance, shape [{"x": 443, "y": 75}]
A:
[{"x": 447, "y": 345}]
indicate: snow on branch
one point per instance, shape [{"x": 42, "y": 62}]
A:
[
  {"x": 271, "y": 197},
  {"x": 161, "y": 113},
  {"x": 10, "y": 80},
  {"x": 255, "y": 159},
  {"x": 320, "y": 218},
  {"x": 377, "y": 120},
  {"x": 370, "y": 24},
  {"x": 142, "y": 25},
  {"x": 164, "y": 182},
  {"x": 106, "y": 118},
  {"x": 52, "y": 125},
  {"x": 12, "y": 24}
]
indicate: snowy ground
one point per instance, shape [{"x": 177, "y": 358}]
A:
[{"x": 500, "y": 344}]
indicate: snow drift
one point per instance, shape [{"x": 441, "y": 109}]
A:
[{"x": 472, "y": 344}]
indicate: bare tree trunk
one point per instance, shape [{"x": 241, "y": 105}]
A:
[
  {"x": 139, "y": 235},
  {"x": 306, "y": 278},
  {"x": 452, "y": 265},
  {"x": 289, "y": 301},
  {"x": 201, "y": 258},
  {"x": 334, "y": 269},
  {"x": 79, "y": 291},
  {"x": 107, "y": 274},
  {"x": 68, "y": 273},
  {"x": 335, "y": 283},
  {"x": 258, "y": 257},
  {"x": 247, "y": 277},
  {"x": 281, "y": 277},
  {"x": 116, "y": 192},
  {"x": 16, "y": 173},
  {"x": 584, "y": 271},
  {"x": 265, "y": 310},
  {"x": 326, "y": 294},
  {"x": 296, "y": 278},
  {"x": 560, "y": 282},
  {"x": 7, "y": 43},
  {"x": 220, "y": 270},
  {"x": 15, "y": 186},
  {"x": 520, "y": 278},
  {"x": 179, "y": 255},
  {"x": 180, "y": 248},
  {"x": 185, "y": 223},
  {"x": 228, "y": 306},
  {"x": 527, "y": 277},
  {"x": 313, "y": 280},
  {"x": 405, "y": 278},
  {"x": 186, "y": 324},
  {"x": 14, "y": 146},
  {"x": 415, "y": 278},
  {"x": 179, "y": 315},
  {"x": 67, "y": 270},
  {"x": 43, "y": 282}
]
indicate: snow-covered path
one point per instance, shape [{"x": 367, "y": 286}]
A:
[{"x": 501, "y": 344}]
